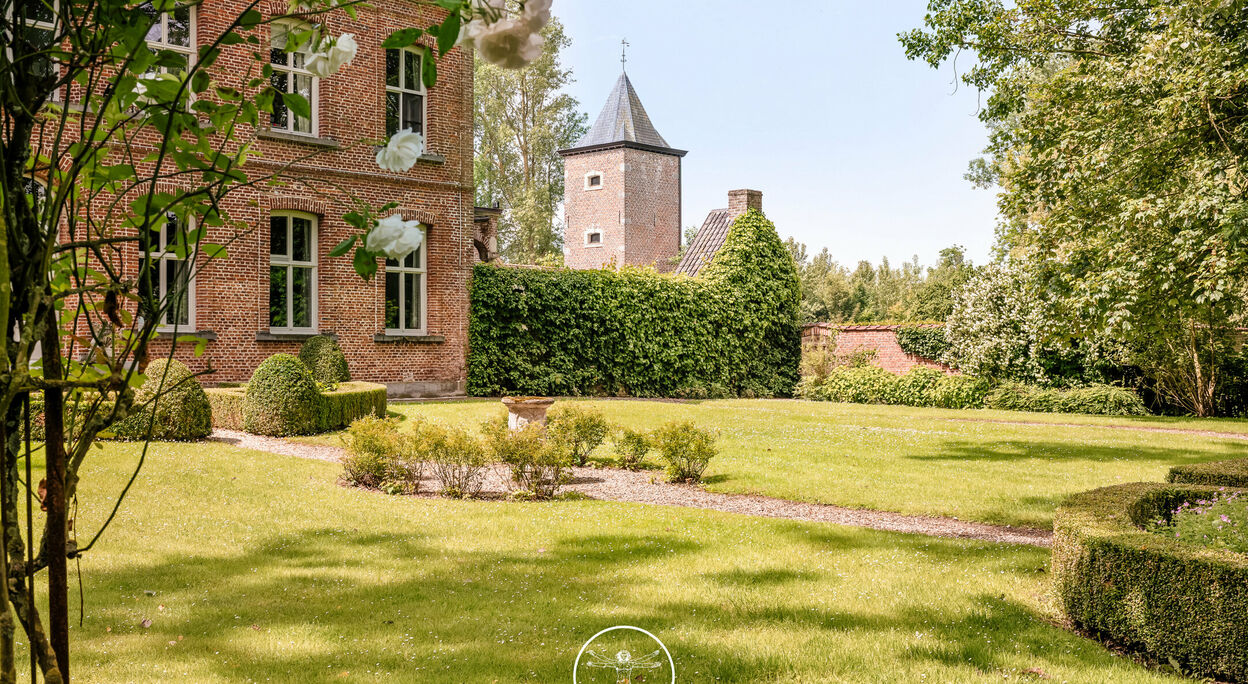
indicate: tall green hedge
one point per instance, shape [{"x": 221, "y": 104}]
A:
[
  {"x": 636, "y": 332},
  {"x": 1179, "y": 602}
]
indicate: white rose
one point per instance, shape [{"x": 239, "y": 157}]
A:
[
  {"x": 395, "y": 237},
  {"x": 326, "y": 61},
  {"x": 509, "y": 42},
  {"x": 402, "y": 151}
]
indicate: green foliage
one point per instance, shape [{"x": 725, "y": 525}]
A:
[
  {"x": 522, "y": 118},
  {"x": 170, "y": 401},
  {"x": 322, "y": 355},
  {"x": 833, "y": 293},
  {"x": 340, "y": 407},
  {"x": 1117, "y": 133},
  {"x": 631, "y": 446},
  {"x": 457, "y": 458},
  {"x": 1232, "y": 473},
  {"x": 539, "y": 464},
  {"x": 926, "y": 342},
  {"x": 578, "y": 429},
  {"x": 636, "y": 332},
  {"x": 686, "y": 448},
  {"x": 1219, "y": 521},
  {"x": 282, "y": 399},
  {"x": 379, "y": 456},
  {"x": 227, "y": 406},
  {"x": 1105, "y": 400},
  {"x": 1179, "y": 602},
  {"x": 866, "y": 384}
]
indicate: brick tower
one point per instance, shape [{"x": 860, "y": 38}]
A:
[{"x": 621, "y": 190}]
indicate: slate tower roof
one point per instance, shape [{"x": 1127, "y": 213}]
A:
[{"x": 623, "y": 122}]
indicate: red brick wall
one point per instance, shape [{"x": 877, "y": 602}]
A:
[
  {"x": 637, "y": 208},
  {"x": 880, "y": 338},
  {"x": 231, "y": 294}
]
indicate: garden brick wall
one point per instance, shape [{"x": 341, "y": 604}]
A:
[
  {"x": 880, "y": 338},
  {"x": 231, "y": 294}
]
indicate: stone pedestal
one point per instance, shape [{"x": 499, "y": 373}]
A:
[{"x": 524, "y": 410}]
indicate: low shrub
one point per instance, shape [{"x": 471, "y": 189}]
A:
[
  {"x": 1218, "y": 522},
  {"x": 539, "y": 466},
  {"x": 1181, "y": 603},
  {"x": 686, "y": 448},
  {"x": 1233, "y": 473},
  {"x": 458, "y": 459},
  {"x": 282, "y": 399},
  {"x": 380, "y": 456},
  {"x": 1105, "y": 400},
  {"x": 632, "y": 446},
  {"x": 171, "y": 402},
  {"x": 324, "y": 358},
  {"x": 960, "y": 392},
  {"x": 578, "y": 429},
  {"x": 227, "y": 406}
]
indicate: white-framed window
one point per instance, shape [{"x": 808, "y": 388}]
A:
[
  {"x": 405, "y": 92},
  {"x": 165, "y": 273},
  {"x": 593, "y": 180},
  {"x": 173, "y": 31},
  {"x": 292, "y": 272},
  {"x": 37, "y": 30},
  {"x": 593, "y": 238},
  {"x": 291, "y": 76},
  {"x": 406, "y": 294}
]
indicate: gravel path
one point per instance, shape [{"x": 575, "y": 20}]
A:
[{"x": 610, "y": 484}]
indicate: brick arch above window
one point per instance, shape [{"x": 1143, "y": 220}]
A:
[
  {"x": 417, "y": 215},
  {"x": 304, "y": 204}
]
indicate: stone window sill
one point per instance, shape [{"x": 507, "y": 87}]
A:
[
  {"x": 429, "y": 158},
  {"x": 266, "y": 336},
  {"x": 388, "y": 338},
  {"x": 268, "y": 134},
  {"x": 206, "y": 335}
]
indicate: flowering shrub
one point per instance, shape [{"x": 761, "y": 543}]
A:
[{"x": 1220, "y": 522}]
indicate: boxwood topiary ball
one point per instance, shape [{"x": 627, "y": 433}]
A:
[
  {"x": 282, "y": 398},
  {"x": 180, "y": 413},
  {"x": 323, "y": 356}
]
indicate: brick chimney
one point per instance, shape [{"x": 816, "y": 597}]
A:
[{"x": 739, "y": 201}]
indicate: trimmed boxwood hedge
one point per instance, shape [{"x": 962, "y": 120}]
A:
[
  {"x": 182, "y": 412},
  {"x": 1233, "y": 473},
  {"x": 336, "y": 410},
  {"x": 227, "y": 406},
  {"x": 733, "y": 329},
  {"x": 322, "y": 355},
  {"x": 1175, "y": 601}
]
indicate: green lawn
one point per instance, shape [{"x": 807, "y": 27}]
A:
[
  {"x": 919, "y": 461},
  {"x": 255, "y": 567}
]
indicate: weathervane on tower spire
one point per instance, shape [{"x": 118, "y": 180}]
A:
[{"x": 623, "y": 54}]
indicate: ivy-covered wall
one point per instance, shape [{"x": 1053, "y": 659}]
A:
[{"x": 732, "y": 330}]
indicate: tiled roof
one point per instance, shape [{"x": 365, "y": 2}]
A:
[
  {"x": 707, "y": 242},
  {"x": 622, "y": 120}
]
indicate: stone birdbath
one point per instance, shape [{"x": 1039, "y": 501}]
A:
[{"x": 524, "y": 410}]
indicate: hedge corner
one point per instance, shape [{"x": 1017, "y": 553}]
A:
[{"x": 1173, "y": 600}]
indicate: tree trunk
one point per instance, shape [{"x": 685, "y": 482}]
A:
[{"x": 57, "y": 530}]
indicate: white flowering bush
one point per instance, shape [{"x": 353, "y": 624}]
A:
[{"x": 997, "y": 326}]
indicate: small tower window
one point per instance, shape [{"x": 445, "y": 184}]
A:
[
  {"x": 593, "y": 238},
  {"x": 593, "y": 180}
]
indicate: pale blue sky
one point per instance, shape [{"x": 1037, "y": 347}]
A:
[{"x": 854, "y": 147}]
